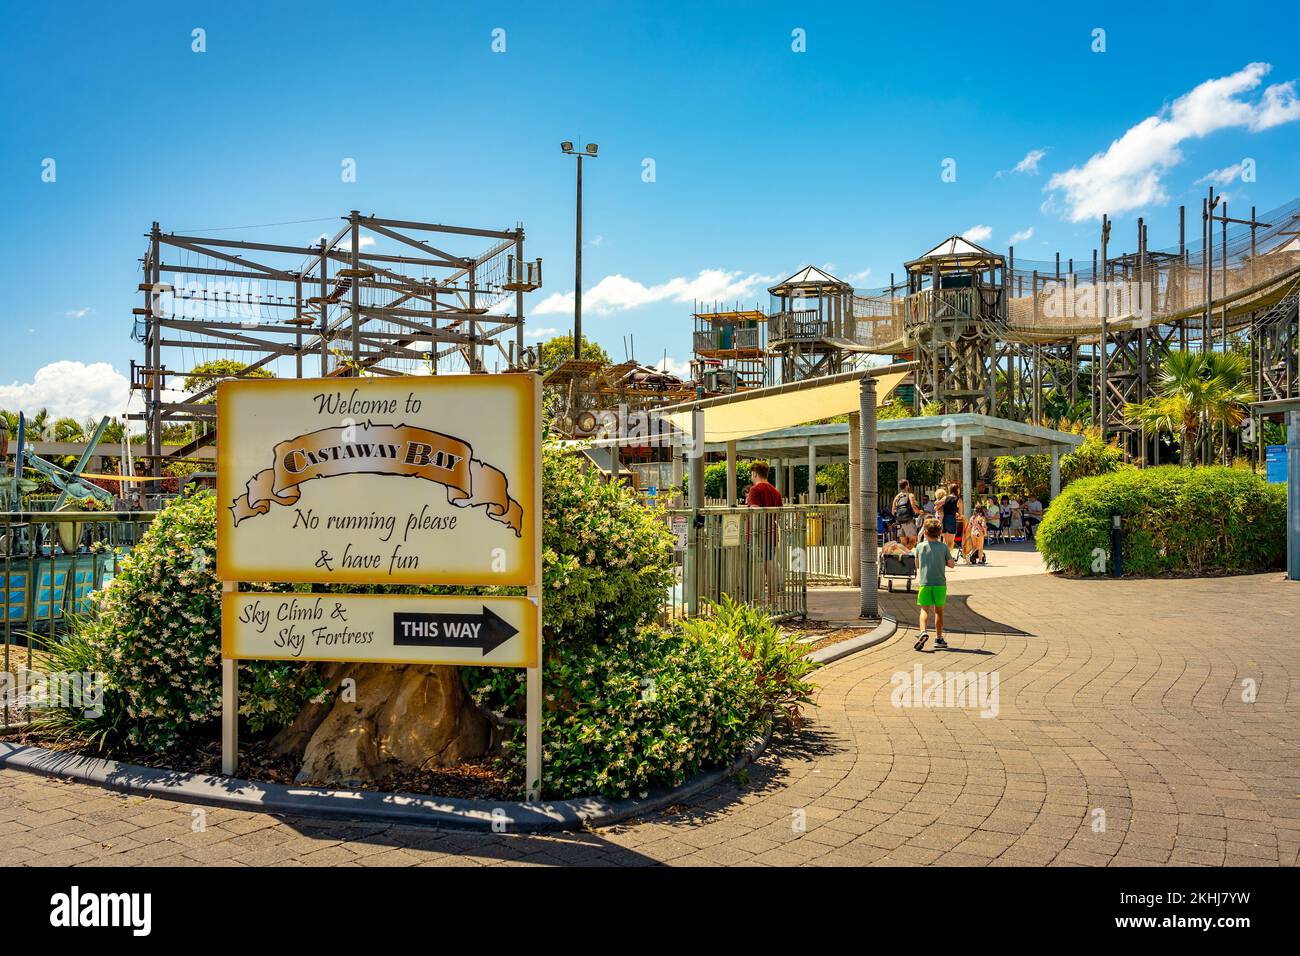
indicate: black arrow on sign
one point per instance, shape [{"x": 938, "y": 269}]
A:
[{"x": 486, "y": 631}]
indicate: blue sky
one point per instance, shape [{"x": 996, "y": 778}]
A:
[{"x": 765, "y": 159}]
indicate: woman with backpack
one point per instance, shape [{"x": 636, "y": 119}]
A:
[{"x": 906, "y": 514}]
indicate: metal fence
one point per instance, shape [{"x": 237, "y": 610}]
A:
[
  {"x": 50, "y": 563},
  {"x": 827, "y": 544},
  {"x": 755, "y": 555}
]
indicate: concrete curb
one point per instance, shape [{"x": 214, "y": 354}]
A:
[
  {"x": 408, "y": 808},
  {"x": 883, "y": 631}
]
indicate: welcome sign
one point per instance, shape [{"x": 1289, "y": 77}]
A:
[{"x": 413, "y": 480}]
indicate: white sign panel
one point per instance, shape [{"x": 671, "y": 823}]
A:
[{"x": 412, "y": 480}]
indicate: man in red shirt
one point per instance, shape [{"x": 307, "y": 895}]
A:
[{"x": 763, "y": 494}]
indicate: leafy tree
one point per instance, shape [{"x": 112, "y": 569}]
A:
[
  {"x": 201, "y": 376},
  {"x": 555, "y": 352},
  {"x": 205, "y": 373},
  {"x": 1032, "y": 474}
]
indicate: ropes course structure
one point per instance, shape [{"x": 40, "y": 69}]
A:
[
  {"x": 1005, "y": 336},
  {"x": 379, "y": 297}
]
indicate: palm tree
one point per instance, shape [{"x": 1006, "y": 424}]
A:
[
  {"x": 69, "y": 430},
  {"x": 36, "y": 424},
  {"x": 1196, "y": 392}
]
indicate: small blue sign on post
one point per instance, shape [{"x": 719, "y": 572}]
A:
[{"x": 1275, "y": 464}]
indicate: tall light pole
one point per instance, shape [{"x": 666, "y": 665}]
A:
[{"x": 587, "y": 152}]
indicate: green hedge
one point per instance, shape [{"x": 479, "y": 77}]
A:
[{"x": 1175, "y": 519}]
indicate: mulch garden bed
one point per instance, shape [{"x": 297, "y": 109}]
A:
[
  {"x": 476, "y": 779},
  {"x": 814, "y": 635}
]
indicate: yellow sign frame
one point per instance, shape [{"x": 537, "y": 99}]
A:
[{"x": 236, "y": 488}]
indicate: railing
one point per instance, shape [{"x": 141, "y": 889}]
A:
[
  {"x": 762, "y": 556},
  {"x": 754, "y": 556},
  {"x": 801, "y": 324},
  {"x": 726, "y": 338},
  {"x": 827, "y": 544},
  {"x": 50, "y": 564}
]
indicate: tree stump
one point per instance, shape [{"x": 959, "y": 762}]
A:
[{"x": 398, "y": 716}]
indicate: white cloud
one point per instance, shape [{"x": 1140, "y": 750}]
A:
[
  {"x": 1128, "y": 174},
  {"x": 858, "y": 278},
  {"x": 1030, "y": 163},
  {"x": 1021, "y": 236},
  {"x": 69, "y": 388},
  {"x": 978, "y": 233},
  {"x": 543, "y": 334},
  {"x": 618, "y": 293},
  {"x": 1222, "y": 176},
  {"x": 682, "y": 369},
  {"x": 365, "y": 242},
  {"x": 78, "y": 313}
]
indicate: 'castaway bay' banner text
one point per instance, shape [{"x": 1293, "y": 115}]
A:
[{"x": 370, "y": 449}]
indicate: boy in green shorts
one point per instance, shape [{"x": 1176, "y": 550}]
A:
[{"x": 932, "y": 561}]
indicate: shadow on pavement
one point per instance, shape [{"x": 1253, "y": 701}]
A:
[{"x": 582, "y": 848}]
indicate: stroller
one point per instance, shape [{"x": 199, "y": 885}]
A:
[{"x": 898, "y": 566}]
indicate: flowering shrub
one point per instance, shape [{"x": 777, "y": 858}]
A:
[
  {"x": 607, "y": 562},
  {"x": 157, "y": 641},
  {"x": 647, "y": 709},
  {"x": 640, "y": 711}
]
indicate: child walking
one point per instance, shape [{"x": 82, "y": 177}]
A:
[
  {"x": 979, "y": 529},
  {"x": 932, "y": 562}
]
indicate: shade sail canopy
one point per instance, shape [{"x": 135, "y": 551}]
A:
[{"x": 783, "y": 406}]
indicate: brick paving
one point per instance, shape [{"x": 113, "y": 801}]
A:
[{"x": 1125, "y": 733}]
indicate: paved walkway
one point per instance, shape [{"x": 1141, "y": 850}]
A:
[{"x": 1126, "y": 732}]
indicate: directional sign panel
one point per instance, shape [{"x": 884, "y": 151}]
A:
[{"x": 380, "y": 628}]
